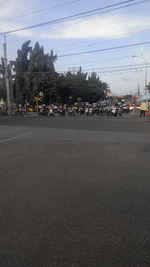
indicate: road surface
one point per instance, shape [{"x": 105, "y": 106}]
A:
[{"x": 74, "y": 192}]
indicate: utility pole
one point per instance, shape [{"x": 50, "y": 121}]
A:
[
  {"x": 146, "y": 63},
  {"x": 6, "y": 77},
  {"x": 138, "y": 91}
]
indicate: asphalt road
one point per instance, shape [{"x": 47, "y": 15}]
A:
[{"x": 74, "y": 192}]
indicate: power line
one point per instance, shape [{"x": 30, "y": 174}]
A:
[
  {"x": 103, "y": 11},
  {"x": 81, "y": 43},
  {"x": 41, "y": 10},
  {"x": 103, "y": 60},
  {"x": 95, "y": 61},
  {"x": 122, "y": 66},
  {"x": 104, "y": 49},
  {"x": 118, "y": 70},
  {"x": 76, "y": 47},
  {"x": 96, "y": 43},
  {"x": 72, "y": 16},
  {"x": 91, "y": 44},
  {"x": 101, "y": 50},
  {"x": 109, "y": 69},
  {"x": 100, "y": 12},
  {"x": 113, "y": 67}
]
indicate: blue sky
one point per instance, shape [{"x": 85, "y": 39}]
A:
[{"x": 115, "y": 28}]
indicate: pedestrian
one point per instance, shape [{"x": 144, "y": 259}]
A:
[{"x": 144, "y": 108}]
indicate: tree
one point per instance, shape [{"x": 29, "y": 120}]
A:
[
  {"x": 2, "y": 89},
  {"x": 21, "y": 67},
  {"x": 71, "y": 86},
  {"x": 35, "y": 72},
  {"x": 2, "y": 82},
  {"x": 79, "y": 86},
  {"x": 65, "y": 86},
  {"x": 95, "y": 88},
  {"x": 42, "y": 76}
]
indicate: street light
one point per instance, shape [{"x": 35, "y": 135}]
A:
[{"x": 146, "y": 62}]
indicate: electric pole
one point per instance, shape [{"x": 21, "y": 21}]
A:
[
  {"x": 7, "y": 77},
  {"x": 138, "y": 91}
]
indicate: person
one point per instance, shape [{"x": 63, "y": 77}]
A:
[{"x": 144, "y": 108}]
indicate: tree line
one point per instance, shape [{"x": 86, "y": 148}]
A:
[{"x": 33, "y": 71}]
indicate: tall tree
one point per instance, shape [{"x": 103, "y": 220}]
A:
[
  {"x": 42, "y": 74},
  {"x": 35, "y": 72},
  {"x": 95, "y": 88},
  {"x": 79, "y": 86},
  {"x": 21, "y": 67},
  {"x": 2, "y": 81},
  {"x": 65, "y": 87}
]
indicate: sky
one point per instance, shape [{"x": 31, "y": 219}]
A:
[{"x": 124, "y": 69}]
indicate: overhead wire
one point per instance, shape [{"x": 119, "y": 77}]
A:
[
  {"x": 75, "y": 16},
  {"x": 91, "y": 45},
  {"x": 103, "y": 49},
  {"x": 108, "y": 69},
  {"x": 102, "y": 12},
  {"x": 131, "y": 45},
  {"x": 76, "y": 47},
  {"x": 107, "y": 39},
  {"x": 73, "y": 48},
  {"x": 40, "y": 10},
  {"x": 95, "y": 61},
  {"x": 102, "y": 60},
  {"x": 118, "y": 70},
  {"x": 120, "y": 66}
]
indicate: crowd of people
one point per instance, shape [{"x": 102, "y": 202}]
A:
[
  {"x": 80, "y": 109},
  {"x": 101, "y": 109}
]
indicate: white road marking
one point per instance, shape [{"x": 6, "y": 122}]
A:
[{"x": 13, "y": 138}]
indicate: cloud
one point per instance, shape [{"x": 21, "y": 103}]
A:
[
  {"x": 10, "y": 9},
  {"x": 13, "y": 26},
  {"x": 99, "y": 27}
]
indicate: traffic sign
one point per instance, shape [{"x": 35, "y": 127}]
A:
[
  {"x": 41, "y": 93},
  {"x": 79, "y": 99},
  {"x": 38, "y": 98}
]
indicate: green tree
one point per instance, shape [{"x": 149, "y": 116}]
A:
[
  {"x": 42, "y": 75},
  {"x": 2, "y": 89},
  {"x": 74, "y": 86},
  {"x": 65, "y": 85},
  {"x": 21, "y": 67},
  {"x": 2, "y": 81},
  {"x": 80, "y": 86},
  {"x": 95, "y": 88},
  {"x": 35, "y": 72}
]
